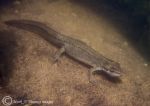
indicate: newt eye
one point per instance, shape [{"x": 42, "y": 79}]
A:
[{"x": 113, "y": 68}]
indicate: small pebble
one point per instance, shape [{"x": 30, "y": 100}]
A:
[
  {"x": 125, "y": 43},
  {"x": 145, "y": 64}
]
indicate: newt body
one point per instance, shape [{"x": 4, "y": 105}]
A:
[{"x": 72, "y": 47}]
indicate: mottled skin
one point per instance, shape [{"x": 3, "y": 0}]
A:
[{"x": 72, "y": 47}]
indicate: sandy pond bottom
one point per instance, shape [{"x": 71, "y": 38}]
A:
[{"x": 31, "y": 74}]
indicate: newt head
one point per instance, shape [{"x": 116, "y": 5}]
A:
[{"x": 112, "y": 70}]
